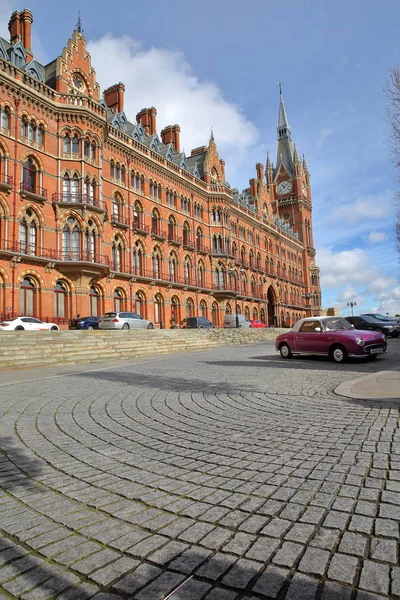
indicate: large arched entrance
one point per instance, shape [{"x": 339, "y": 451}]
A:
[{"x": 271, "y": 304}]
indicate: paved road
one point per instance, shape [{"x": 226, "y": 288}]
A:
[{"x": 232, "y": 472}]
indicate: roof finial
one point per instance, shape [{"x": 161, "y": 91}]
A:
[
  {"x": 79, "y": 27},
  {"x": 280, "y": 84},
  {"x": 212, "y": 134}
]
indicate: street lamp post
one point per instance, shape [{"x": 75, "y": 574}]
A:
[{"x": 352, "y": 304}]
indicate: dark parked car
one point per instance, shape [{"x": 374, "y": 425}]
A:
[
  {"x": 84, "y": 323},
  {"x": 389, "y": 328},
  {"x": 381, "y": 317},
  {"x": 331, "y": 336},
  {"x": 198, "y": 323}
]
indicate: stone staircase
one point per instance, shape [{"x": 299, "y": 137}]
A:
[{"x": 47, "y": 348}]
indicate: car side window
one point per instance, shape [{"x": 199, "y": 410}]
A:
[
  {"x": 309, "y": 326},
  {"x": 136, "y": 316},
  {"x": 124, "y": 315},
  {"x": 25, "y": 320}
]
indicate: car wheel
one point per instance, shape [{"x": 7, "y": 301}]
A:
[
  {"x": 90, "y": 327},
  {"x": 54, "y": 328},
  {"x": 125, "y": 326},
  {"x": 338, "y": 354},
  {"x": 19, "y": 328},
  {"x": 150, "y": 326},
  {"x": 285, "y": 351}
]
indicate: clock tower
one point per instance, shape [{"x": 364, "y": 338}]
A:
[{"x": 292, "y": 196}]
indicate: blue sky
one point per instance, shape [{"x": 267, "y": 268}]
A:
[{"x": 218, "y": 63}]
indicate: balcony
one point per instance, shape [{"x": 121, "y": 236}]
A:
[
  {"x": 225, "y": 290},
  {"x": 221, "y": 252},
  {"x": 139, "y": 227},
  {"x": 174, "y": 240},
  {"x": 189, "y": 243},
  {"x": 62, "y": 259},
  {"x": 120, "y": 221},
  {"x": 201, "y": 248},
  {"x": 158, "y": 234},
  {"x": 6, "y": 183},
  {"x": 79, "y": 200},
  {"x": 33, "y": 192}
]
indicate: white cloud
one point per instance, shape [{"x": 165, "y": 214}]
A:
[
  {"x": 389, "y": 302},
  {"x": 162, "y": 78},
  {"x": 343, "y": 268},
  {"x": 352, "y": 276},
  {"x": 376, "y": 237},
  {"x": 362, "y": 209}
]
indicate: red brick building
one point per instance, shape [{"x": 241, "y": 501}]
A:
[{"x": 100, "y": 213}]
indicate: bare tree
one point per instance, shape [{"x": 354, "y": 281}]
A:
[{"x": 393, "y": 93}]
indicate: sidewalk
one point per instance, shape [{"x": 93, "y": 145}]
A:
[{"x": 383, "y": 385}]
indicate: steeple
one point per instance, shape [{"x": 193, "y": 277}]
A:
[
  {"x": 283, "y": 124},
  {"x": 285, "y": 145},
  {"x": 78, "y": 26}
]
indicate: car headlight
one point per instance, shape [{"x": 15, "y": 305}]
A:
[{"x": 360, "y": 341}]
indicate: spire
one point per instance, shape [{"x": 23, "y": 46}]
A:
[
  {"x": 212, "y": 134},
  {"x": 268, "y": 164},
  {"x": 283, "y": 124},
  {"x": 78, "y": 26},
  {"x": 305, "y": 164},
  {"x": 295, "y": 155},
  {"x": 285, "y": 153}
]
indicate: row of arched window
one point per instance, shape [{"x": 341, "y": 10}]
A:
[{"x": 30, "y": 301}]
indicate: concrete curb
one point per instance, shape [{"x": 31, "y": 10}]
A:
[{"x": 382, "y": 385}]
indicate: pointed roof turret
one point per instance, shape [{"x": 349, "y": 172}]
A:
[
  {"x": 283, "y": 123},
  {"x": 78, "y": 26},
  {"x": 285, "y": 152}
]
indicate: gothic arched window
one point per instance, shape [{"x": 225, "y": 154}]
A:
[
  {"x": 59, "y": 300},
  {"x": 71, "y": 240}
]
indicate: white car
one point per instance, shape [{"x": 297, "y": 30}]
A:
[
  {"x": 26, "y": 323},
  {"x": 124, "y": 320}
]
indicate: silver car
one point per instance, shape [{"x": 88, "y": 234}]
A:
[{"x": 124, "y": 320}]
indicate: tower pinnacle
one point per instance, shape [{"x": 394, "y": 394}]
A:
[{"x": 285, "y": 152}]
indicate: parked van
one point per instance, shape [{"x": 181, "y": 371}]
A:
[
  {"x": 230, "y": 321},
  {"x": 198, "y": 323}
]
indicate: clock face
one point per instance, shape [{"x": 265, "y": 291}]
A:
[
  {"x": 304, "y": 187},
  {"x": 284, "y": 187},
  {"x": 78, "y": 83}
]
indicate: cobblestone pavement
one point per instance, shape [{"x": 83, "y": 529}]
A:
[{"x": 232, "y": 472}]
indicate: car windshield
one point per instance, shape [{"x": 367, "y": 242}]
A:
[
  {"x": 335, "y": 324},
  {"x": 112, "y": 315}
]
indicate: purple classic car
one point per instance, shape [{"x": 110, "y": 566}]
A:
[{"x": 332, "y": 336}]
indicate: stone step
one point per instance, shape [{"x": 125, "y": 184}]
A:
[{"x": 22, "y": 349}]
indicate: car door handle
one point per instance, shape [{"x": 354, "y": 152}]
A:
[{"x": 298, "y": 337}]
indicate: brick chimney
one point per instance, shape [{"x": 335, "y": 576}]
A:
[
  {"x": 167, "y": 135},
  {"x": 253, "y": 187},
  {"x": 26, "y": 25},
  {"x": 114, "y": 97},
  {"x": 153, "y": 120},
  {"x": 170, "y": 135},
  {"x": 198, "y": 150},
  {"x": 260, "y": 171},
  {"x": 177, "y": 138},
  {"x": 15, "y": 28},
  {"x": 144, "y": 117}
]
